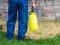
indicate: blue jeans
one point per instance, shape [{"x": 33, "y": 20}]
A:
[{"x": 19, "y": 7}]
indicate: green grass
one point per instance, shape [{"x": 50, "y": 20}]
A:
[{"x": 15, "y": 41}]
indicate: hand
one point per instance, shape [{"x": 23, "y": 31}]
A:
[
  {"x": 6, "y": 2},
  {"x": 33, "y": 3}
]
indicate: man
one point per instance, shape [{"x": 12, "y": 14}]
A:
[{"x": 20, "y": 6}]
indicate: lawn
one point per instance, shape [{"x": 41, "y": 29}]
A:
[
  {"x": 15, "y": 41},
  {"x": 46, "y": 29}
]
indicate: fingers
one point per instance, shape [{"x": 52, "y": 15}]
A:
[
  {"x": 6, "y": 2},
  {"x": 33, "y": 3}
]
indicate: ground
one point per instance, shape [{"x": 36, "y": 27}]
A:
[
  {"x": 46, "y": 29},
  {"x": 48, "y": 34},
  {"x": 15, "y": 41}
]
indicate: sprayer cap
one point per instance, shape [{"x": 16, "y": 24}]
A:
[{"x": 32, "y": 13}]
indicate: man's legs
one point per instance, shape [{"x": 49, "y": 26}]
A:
[
  {"x": 22, "y": 18},
  {"x": 12, "y": 15}
]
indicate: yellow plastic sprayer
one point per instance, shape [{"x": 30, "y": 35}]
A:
[{"x": 32, "y": 21}]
